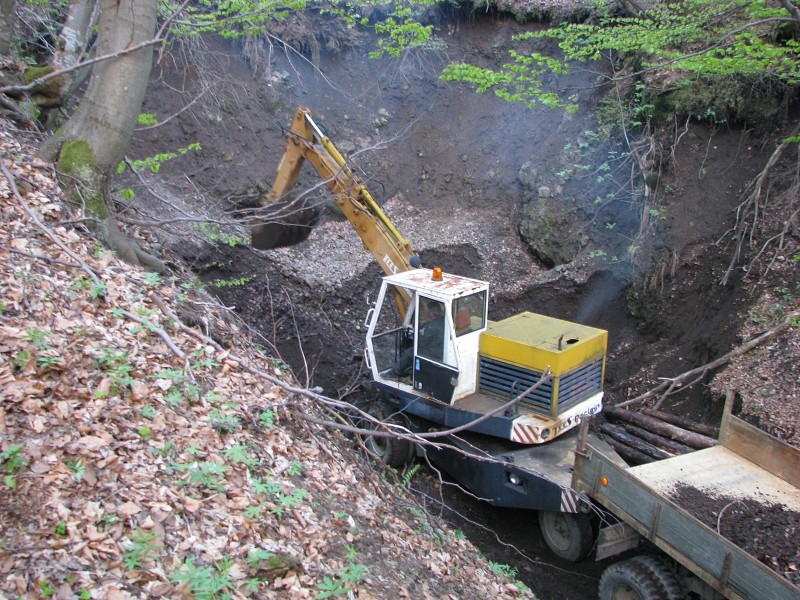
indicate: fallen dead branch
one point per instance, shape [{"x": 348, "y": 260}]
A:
[{"x": 673, "y": 385}]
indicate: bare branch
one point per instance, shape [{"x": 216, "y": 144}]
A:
[
  {"x": 670, "y": 383},
  {"x": 792, "y": 9}
]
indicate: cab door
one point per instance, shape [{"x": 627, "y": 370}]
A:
[{"x": 435, "y": 371}]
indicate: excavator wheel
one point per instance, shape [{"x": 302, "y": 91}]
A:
[
  {"x": 570, "y": 536},
  {"x": 393, "y": 452},
  {"x": 640, "y": 578}
]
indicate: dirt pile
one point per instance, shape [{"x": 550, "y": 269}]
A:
[
  {"x": 143, "y": 457},
  {"x": 768, "y": 531}
]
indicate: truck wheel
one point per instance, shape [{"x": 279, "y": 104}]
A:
[
  {"x": 640, "y": 578},
  {"x": 393, "y": 452},
  {"x": 569, "y": 535}
]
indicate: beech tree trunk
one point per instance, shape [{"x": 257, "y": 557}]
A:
[
  {"x": 95, "y": 138},
  {"x": 8, "y": 20},
  {"x": 73, "y": 40}
]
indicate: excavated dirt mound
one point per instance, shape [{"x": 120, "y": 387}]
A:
[{"x": 767, "y": 530}]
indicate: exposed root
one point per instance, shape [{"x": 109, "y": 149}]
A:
[
  {"x": 127, "y": 249},
  {"x": 750, "y": 212}
]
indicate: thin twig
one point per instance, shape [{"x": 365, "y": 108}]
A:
[{"x": 49, "y": 232}]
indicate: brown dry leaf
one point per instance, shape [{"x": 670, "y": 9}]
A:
[
  {"x": 191, "y": 504},
  {"x": 129, "y": 509},
  {"x": 92, "y": 443},
  {"x": 139, "y": 390}
]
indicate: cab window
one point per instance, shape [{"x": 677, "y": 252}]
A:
[{"x": 469, "y": 313}]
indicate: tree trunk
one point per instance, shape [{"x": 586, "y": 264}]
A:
[
  {"x": 8, "y": 22},
  {"x": 690, "y": 438},
  {"x": 683, "y": 422},
  {"x": 658, "y": 440},
  {"x": 638, "y": 444},
  {"x": 73, "y": 41},
  {"x": 95, "y": 138},
  {"x": 108, "y": 112}
]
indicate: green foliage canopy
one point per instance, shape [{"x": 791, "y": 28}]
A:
[
  {"x": 756, "y": 39},
  {"x": 397, "y": 26}
]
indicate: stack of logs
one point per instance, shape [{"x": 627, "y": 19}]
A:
[{"x": 650, "y": 435}]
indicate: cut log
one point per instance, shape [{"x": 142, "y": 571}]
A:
[
  {"x": 619, "y": 434},
  {"x": 658, "y": 441},
  {"x": 683, "y": 422},
  {"x": 690, "y": 438},
  {"x": 629, "y": 454}
]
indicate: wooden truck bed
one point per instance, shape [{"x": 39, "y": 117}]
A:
[
  {"x": 748, "y": 463},
  {"x": 719, "y": 472}
]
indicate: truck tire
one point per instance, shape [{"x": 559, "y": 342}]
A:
[
  {"x": 568, "y": 535},
  {"x": 640, "y": 578},
  {"x": 393, "y": 452}
]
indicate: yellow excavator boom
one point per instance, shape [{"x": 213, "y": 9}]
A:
[{"x": 378, "y": 234}]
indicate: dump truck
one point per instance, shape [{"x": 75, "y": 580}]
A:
[
  {"x": 520, "y": 393},
  {"x": 691, "y": 559}
]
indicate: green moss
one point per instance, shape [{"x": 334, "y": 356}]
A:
[
  {"x": 77, "y": 159},
  {"x": 33, "y": 73}
]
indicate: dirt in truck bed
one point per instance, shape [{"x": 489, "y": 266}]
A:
[{"x": 766, "y": 530}]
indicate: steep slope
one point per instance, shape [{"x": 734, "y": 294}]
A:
[{"x": 146, "y": 457}]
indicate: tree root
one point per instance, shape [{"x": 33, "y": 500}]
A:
[
  {"x": 752, "y": 208},
  {"x": 126, "y": 248}
]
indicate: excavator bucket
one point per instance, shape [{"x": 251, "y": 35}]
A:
[{"x": 285, "y": 223}]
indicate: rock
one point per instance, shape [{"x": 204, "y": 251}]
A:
[
  {"x": 527, "y": 175},
  {"x": 269, "y": 566},
  {"x": 346, "y": 146},
  {"x": 550, "y": 230}
]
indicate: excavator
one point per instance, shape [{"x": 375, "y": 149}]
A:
[{"x": 438, "y": 362}]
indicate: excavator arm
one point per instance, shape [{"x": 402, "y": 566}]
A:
[{"x": 306, "y": 141}]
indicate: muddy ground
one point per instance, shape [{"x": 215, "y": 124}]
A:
[{"x": 454, "y": 170}]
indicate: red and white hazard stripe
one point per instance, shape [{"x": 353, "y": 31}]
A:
[
  {"x": 570, "y": 500},
  {"x": 525, "y": 434}
]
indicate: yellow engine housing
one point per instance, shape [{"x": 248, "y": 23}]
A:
[{"x": 514, "y": 352}]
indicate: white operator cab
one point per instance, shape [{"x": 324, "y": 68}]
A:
[{"x": 433, "y": 350}]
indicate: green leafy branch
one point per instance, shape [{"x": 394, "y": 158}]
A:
[{"x": 153, "y": 163}]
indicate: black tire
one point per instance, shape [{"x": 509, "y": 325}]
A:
[
  {"x": 568, "y": 535},
  {"x": 391, "y": 451},
  {"x": 640, "y": 578}
]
